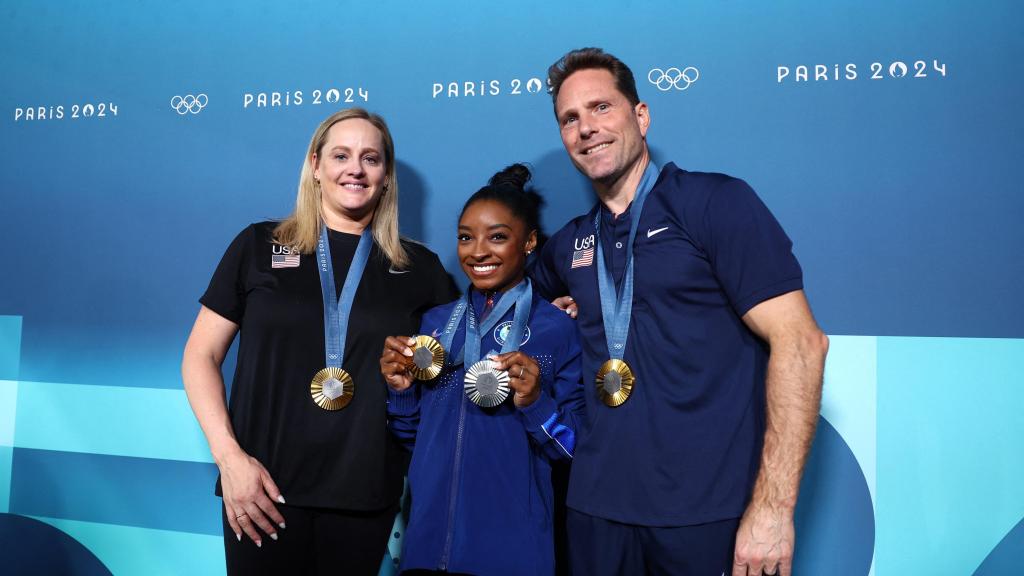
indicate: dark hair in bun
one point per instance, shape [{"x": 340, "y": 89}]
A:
[{"x": 509, "y": 188}]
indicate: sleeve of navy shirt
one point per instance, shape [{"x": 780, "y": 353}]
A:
[
  {"x": 747, "y": 248},
  {"x": 554, "y": 418}
]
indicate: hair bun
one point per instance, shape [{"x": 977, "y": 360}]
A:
[{"x": 516, "y": 175}]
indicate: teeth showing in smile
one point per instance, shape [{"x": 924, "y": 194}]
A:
[
  {"x": 488, "y": 268},
  {"x": 355, "y": 186},
  {"x": 597, "y": 148}
]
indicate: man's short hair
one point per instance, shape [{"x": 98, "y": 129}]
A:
[{"x": 590, "y": 59}]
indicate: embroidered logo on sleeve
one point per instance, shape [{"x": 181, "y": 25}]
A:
[{"x": 283, "y": 257}]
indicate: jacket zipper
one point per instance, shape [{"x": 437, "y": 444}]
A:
[{"x": 445, "y": 556}]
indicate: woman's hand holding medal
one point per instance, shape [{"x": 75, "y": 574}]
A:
[
  {"x": 524, "y": 376},
  {"x": 395, "y": 360},
  {"x": 248, "y": 493}
]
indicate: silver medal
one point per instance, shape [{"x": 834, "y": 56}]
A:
[{"x": 485, "y": 386}]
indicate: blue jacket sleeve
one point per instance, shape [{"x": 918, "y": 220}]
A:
[
  {"x": 404, "y": 406},
  {"x": 404, "y": 414},
  {"x": 555, "y": 417}
]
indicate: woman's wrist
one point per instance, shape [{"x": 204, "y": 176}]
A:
[{"x": 226, "y": 452}]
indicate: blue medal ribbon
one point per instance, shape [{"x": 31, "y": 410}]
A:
[
  {"x": 617, "y": 305},
  {"x": 337, "y": 312},
  {"x": 520, "y": 296}
]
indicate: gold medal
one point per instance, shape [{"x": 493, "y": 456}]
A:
[
  {"x": 614, "y": 382},
  {"x": 427, "y": 358},
  {"x": 332, "y": 388}
]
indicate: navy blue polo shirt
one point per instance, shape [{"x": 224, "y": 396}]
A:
[{"x": 685, "y": 447}]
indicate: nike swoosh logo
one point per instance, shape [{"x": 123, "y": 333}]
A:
[
  {"x": 653, "y": 232},
  {"x": 393, "y": 271}
]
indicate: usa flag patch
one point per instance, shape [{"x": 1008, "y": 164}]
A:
[
  {"x": 583, "y": 257},
  {"x": 284, "y": 261}
]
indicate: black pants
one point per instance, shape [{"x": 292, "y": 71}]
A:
[{"x": 317, "y": 541}]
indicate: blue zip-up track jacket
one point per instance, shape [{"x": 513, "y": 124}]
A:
[{"x": 480, "y": 478}]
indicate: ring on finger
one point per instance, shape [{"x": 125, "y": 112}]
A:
[
  {"x": 240, "y": 516},
  {"x": 522, "y": 369}
]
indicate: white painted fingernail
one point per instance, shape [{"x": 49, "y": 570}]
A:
[
  {"x": 282, "y": 525},
  {"x": 280, "y": 499},
  {"x": 274, "y": 536},
  {"x": 239, "y": 536},
  {"x": 259, "y": 544}
]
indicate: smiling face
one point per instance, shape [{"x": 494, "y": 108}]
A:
[
  {"x": 602, "y": 132},
  {"x": 492, "y": 245},
  {"x": 352, "y": 172}
]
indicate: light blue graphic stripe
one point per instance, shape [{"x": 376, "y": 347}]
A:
[
  {"x": 127, "y": 550},
  {"x": 389, "y": 566},
  {"x": 849, "y": 401},
  {"x": 8, "y": 405},
  {"x": 6, "y": 458},
  {"x": 8, "y": 411},
  {"x": 143, "y": 492},
  {"x": 115, "y": 420},
  {"x": 949, "y": 451},
  {"x": 849, "y": 398},
  {"x": 10, "y": 347}
]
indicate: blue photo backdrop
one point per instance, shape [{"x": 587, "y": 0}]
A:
[{"x": 139, "y": 138}]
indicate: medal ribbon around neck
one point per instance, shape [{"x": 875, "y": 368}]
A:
[
  {"x": 336, "y": 316},
  {"x": 520, "y": 296},
  {"x": 483, "y": 385},
  {"x": 617, "y": 305}
]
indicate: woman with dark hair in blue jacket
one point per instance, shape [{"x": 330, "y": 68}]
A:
[{"x": 506, "y": 401}]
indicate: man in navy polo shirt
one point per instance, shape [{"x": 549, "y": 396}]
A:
[{"x": 701, "y": 355}]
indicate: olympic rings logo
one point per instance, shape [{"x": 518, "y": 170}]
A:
[
  {"x": 666, "y": 80},
  {"x": 189, "y": 103}
]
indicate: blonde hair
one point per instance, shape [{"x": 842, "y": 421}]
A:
[{"x": 301, "y": 230}]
